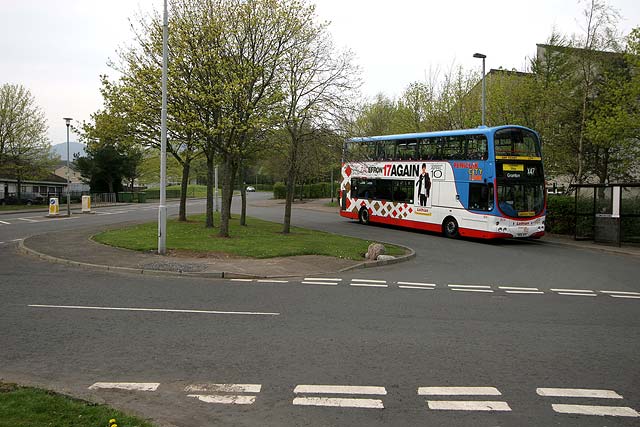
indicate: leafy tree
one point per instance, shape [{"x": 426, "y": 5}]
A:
[{"x": 24, "y": 147}]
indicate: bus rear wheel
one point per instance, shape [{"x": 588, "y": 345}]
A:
[
  {"x": 363, "y": 216},
  {"x": 450, "y": 227}
]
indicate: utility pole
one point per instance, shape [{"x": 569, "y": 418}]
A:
[
  {"x": 162, "y": 207},
  {"x": 484, "y": 87},
  {"x": 68, "y": 121}
]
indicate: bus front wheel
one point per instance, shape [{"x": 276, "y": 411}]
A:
[
  {"x": 450, "y": 227},
  {"x": 363, "y": 216}
]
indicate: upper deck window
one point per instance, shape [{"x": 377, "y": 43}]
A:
[{"x": 516, "y": 142}]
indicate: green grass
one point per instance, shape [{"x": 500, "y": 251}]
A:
[
  {"x": 22, "y": 207},
  {"x": 32, "y": 407},
  {"x": 259, "y": 239}
]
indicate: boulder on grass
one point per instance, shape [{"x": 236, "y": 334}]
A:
[{"x": 374, "y": 251}]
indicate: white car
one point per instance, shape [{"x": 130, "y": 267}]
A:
[{"x": 251, "y": 189}]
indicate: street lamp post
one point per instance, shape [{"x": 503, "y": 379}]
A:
[
  {"x": 484, "y": 87},
  {"x": 68, "y": 121},
  {"x": 162, "y": 207}
]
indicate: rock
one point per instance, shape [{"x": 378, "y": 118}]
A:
[
  {"x": 385, "y": 257},
  {"x": 374, "y": 251}
]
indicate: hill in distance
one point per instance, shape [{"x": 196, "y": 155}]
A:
[{"x": 61, "y": 149}]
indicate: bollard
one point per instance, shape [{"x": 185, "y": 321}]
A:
[
  {"x": 54, "y": 207},
  {"x": 86, "y": 204}
]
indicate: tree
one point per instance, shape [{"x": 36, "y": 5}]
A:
[
  {"x": 111, "y": 152},
  {"x": 24, "y": 146},
  {"x": 318, "y": 84}
]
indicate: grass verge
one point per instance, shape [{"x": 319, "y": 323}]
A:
[
  {"x": 259, "y": 239},
  {"x": 33, "y": 407},
  {"x": 22, "y": 207}
]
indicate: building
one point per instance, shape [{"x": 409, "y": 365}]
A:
[
  {"x": 50, "y": 186},
  {"x": 75, "y": 178}
]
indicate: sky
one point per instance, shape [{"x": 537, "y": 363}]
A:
[{"x": 58, "y": 49}]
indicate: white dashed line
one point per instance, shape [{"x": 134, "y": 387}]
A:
[
  {"x": 369, "y": 280},
  {"x": 339, "y": 389},
  {"x": 223, "y": 388},
  {"x": 573, "y": 290},
  {"x": 621, "y": 293},
  {"x": 625, "y": 296},
  {"x": 5, "y": 223},
  {"x": 424, "y": 288},
  {"x": 612, "y": 411},
  {"x": 322, "y": 279},
  {"x": 417, "y": 284},
  {"x": 272, "y": 281},
  {"x": 470, "y": 286},
  {"x": 576, "y": 294},
  {"x": 472, "y": 290},
  {"x": 524, "y": 292},
  {"x": 225, "y": 399},
  {"x": 578, "y": 392},
  {"x": 320, "y": 283},
  {"x": 27, "y": 220},
  {"x": 125, "y": 386},
  {"x": 461, "y": 405},
  {"x": 242, "y": 280},
  {"x": 340, "y": 402},
  {"x": 515, "y": 288},
  {"x": 458, "y": 391}
]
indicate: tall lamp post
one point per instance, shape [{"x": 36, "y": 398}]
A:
[
  {"x": 162, "y": 207},
  {"x": 484, "y": 87},
  {"x": 68, "y": 121}
]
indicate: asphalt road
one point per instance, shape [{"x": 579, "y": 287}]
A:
[{"x": 395, "y": 339}]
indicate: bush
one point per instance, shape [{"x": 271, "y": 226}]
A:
[
  {"x": 561, "y": 218},
  {"x": 279, "y": 190}
]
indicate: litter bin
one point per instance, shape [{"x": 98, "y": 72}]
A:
[
  {"x": 125, "y": 197},
  {"x": 142, "y": 197}
]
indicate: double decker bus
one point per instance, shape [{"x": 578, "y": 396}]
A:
[{"x": 486, "y": 182}]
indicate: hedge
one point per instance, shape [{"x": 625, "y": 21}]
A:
[
  {"x": 561, "y": 218},
  {"x": 318, "y": 190}
]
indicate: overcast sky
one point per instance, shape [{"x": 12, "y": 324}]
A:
[{"x": 58, "y": 49}]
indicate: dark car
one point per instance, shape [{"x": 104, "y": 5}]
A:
[{"x": 13, "y": 200}]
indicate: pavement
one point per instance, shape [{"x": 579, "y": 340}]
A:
[{"x": 76, "y": 247}]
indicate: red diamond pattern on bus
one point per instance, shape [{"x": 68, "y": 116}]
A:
[
  {"x": 362, "y": 203},
  {"x": 348, "y": 171},
  {"x": 410, "y": 210}
]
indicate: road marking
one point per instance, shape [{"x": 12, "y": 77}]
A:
[
  {"x": 125, "y": 386},
  {"x": 5, "y": 222},
  {"x": 576, "y": 294},
  {"x": 462, "y": 405},
  {"x": 620, "y": 292},
  {"x": 416, "y": 284},
  {"x": 224, "y": 388},
  {"x": 27, "y": 220},
  {"x": 424, "y": 288},
  {"x": 572, "y": 290},
  {"x": 470, "y": 286},
  {"x": 320, "y": 283},
  {"x": 625, "y": 296},
  {"x": 471, "y": 290},
  {"x": 272, "y": 281},
  {"x": 578, "y": 392},
  {"x": 242, "y": 280},
  {"x": 524, "y": 292},
  {"x": 225, "y": 399},
  {"x": 613, "y": 411},
  {"x": 339, "y": 402},
  {"x": 369, "y": 285},
  {"x": 339, "y": 389},
  {"x": 1, "y": 243},
  {"x": 515, "y": 288},
  {"x": 458, "y": 391},
  {"x": 322, "y": 279},
  {"x": 161, "y": 310},
  {"x": 369, "y": 280}
]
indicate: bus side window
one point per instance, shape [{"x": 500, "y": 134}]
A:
[{"x": 481, "y": 197}]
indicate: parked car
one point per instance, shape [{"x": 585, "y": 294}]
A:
[
  {"x": 13, "y": 200},
  {"x": 251, "y": 189}
]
